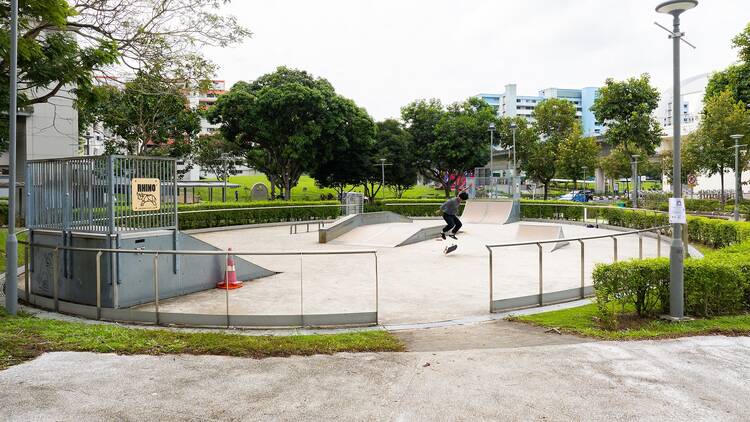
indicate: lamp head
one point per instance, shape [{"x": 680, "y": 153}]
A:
[
  {"x": 675, "y": 7},
  {"x": 736, "y": 137},
  {"x": 491, "y": 126},
  {"x": 513, "y": 125}
]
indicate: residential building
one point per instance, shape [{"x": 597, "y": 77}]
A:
[
  {"x": 43, "y": 131},
  {"x": 509, "y": 103}
]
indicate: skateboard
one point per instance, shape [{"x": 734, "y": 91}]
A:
[{"x": 450, "y": 248}]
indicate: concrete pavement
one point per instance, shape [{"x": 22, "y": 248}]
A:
[{"x": 700, "y": 378}]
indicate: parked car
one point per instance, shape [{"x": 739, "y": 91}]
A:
[{"x": 577, "y": 196}]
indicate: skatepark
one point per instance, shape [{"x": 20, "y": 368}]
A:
[{"x": 416, "y": 281}]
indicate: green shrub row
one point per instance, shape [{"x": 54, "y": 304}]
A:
[
  {"x": 268, "y": 212},
  {"x": 715, "y": 285}
]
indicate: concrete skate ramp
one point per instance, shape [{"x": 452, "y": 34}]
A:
[
  {"x": 532, "y": 232},
  {"x": 389, "y": 235},
  {"x": 487, "y": 212},
  {"x": 351, "y": 222}
]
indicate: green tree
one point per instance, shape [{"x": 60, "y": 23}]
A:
[
  {"x": 394, "y": 144},
  {"x": 712, "y": 145},
  {"x": 690, "y": 153},
  {"x": 554, "y": 121},
  {"x": 576, "y": 152},
  {"x": 627, "y": 109},
  {"x": 288, "y": 121},
  {"x": 736, "y": 77},
  {"x": 214, "y": 154},
  {"x": 150, "y": 115},
  {"x": 450, "y": 142},
  {"x": 62, "y": 45},
  {"x": 616, "y": 165}
]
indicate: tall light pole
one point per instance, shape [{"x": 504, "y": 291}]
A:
[
  {"x": 382, "y": 174},
  {"x": 676, "y": 250},
  {"x": 737, "y": 175},
  {"x": 584, "y": 168},
  {"x": 636, "y": 179},
  {"x": 491, "y": 129},
  {"x": 516, "y": 193},
  {"x": 11, "y": 243}
]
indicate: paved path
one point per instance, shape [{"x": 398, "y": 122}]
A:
[
  {"x": 702, "y": 378},
  {"x": 489, "y": 335}
]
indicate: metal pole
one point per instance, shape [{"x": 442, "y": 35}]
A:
[
  {"x": 614, "y": 249},
  {"x": 541, "y": 278},
  {"x": 737, "y": 177},
  {"x": 492, "y": 143},
  {"x": 676, "y": 250},
  {"x": 99, "y": 285},
  {"x": 11, "y": 243},
  {"x": 491, "y": 289},
  {"x": 377, "y": 288},
  {"x": 583, "y": 269},
  {"x": 382, "y": 171},
  {"x": 156, "y": 286}
]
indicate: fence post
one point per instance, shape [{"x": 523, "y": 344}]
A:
[
  {"x": 491, "y": 280},
  {"x": 658, "y": 243},
  {"x": 640, "y": 246},
  {"x": 226, "y": 286},
  {"x": 583, "y": 269},
  {"x": 541, "y": 282},
  {"x": 301, "y": 293},
  {"x": 156, "y": 286},
  {"x": 26, "y": 275},
  {"x": 55, "y": 277},
  {"x": 614, "y": 244},
  {"x": 377, "y": 289},
  {"x": 99, "y": 285}
]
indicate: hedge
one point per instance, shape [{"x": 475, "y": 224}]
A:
[{"x": 276, "y": 211}]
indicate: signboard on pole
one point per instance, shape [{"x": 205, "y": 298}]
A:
[
  {"x": 145, "y": 195},
  {"x": 677, "y": 214}
]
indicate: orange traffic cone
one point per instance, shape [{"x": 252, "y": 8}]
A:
[{"x": 231, "y": 282}]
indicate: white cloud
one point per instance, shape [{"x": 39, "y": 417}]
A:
[{"x": 384, "y": 54}]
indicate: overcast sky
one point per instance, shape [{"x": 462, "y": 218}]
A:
[{"x": 384, "y": 54}]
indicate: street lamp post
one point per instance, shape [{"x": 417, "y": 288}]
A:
[
  {"x": 516, "y": 193},
  {"x": 737, "y": 175},
  {"x": 636, "y": 180},
  {"x": 491, "y": 129},
  {"x": 584, "y": 176},
  {"x": 382, "y": 174},
  {"x": 11, "y": 242},
  {"x": 676, "y": 250}
]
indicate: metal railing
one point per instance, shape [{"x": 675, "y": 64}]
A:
[
  {"x": 226, "y": 319},
  {"x": 579, "y": 292},
  {"x": 93, "y": 194}
]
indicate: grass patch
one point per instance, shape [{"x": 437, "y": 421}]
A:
[
  {"x": 24, "y": 337},
  {"x": 582, "y": 321},
  {"x": 307, "y": 190},
  {"x": 21, "y": 255}
]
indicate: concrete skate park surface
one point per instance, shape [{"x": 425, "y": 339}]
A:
[
  {"x": 418, "y": 283},
  {"x": 691, "y": 379}
]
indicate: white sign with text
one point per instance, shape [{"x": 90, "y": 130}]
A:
[{"x": 677, "y": 214}]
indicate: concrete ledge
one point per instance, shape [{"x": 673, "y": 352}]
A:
[
  {"x": 423, "y": 234},
  {"x": 350, "y": 222},
  {"x": 130, "y": 315},
  {"x": 520, "y": 302}
]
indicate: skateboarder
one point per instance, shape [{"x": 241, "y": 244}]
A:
[{"x": 449, "y": 210}]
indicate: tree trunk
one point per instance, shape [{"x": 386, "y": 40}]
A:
[
  {"x": 546, "y": 186},
  {"x": 723, "y": 196},
  {"x": 447, "y": 189}
]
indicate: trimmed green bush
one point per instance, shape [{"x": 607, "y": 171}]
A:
[
  {"x": 715, "y": 285},
  {"x": 269, "y": 212}
]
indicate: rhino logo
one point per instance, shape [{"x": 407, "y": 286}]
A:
[{"x": 146, "y": 198}]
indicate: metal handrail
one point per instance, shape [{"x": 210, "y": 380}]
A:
[
  {"x": 580, "y": 240},
  {"x": 571, "y": 239},
  {"x": 196, "y": 252}
]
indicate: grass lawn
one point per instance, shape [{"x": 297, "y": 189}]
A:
[
  {"x": 582, "y": 321},
  {"x": 24, "y": 337},
  {"x": 307, "y": 190},
  {"x": 3, "y": 238}
]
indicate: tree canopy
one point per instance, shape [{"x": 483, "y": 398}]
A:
[
  {"x": 63, "y": 46},
  {"x": 289, "y": 122},
  {"x": 626, "y": 107},
  {"x": 736, "y": 77},
  {"x": 449, "y": 142},
  {"x": 577, "y": 156}
]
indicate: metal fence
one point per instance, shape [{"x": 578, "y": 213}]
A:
[
  {"x": 153, "y": 314},
  {"x": 542, "y": 297},
  {"x": 93, "y": 194}
]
